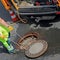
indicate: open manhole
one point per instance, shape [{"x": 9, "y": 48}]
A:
[
  {"x": 32, "y": 46},
  {"x": 28, "y": 38}
]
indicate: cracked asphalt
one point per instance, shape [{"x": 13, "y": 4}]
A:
[{"x": 51, "y": 35}]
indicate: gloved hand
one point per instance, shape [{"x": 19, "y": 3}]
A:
[{"x": 10, "y": 28}]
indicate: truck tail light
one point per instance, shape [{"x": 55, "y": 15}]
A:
[{"x": 58, "y": 12}]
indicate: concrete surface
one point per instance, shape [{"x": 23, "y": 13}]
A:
[{"x": 51, "y": 35}]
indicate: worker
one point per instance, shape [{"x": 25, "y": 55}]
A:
[{"x": 5, "y": 36}]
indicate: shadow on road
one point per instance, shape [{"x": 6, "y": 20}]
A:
[
  {"x": 44, "y": 23},
  {"x": 3, "y": 49}
]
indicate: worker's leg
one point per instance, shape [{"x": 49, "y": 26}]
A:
[
  {"x": 7, "y": 44},
  {"x": 9, "y": 41},
  {"x": 8, "y": 47}
]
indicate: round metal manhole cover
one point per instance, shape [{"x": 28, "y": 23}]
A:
[{"x": 36, "y": 49}]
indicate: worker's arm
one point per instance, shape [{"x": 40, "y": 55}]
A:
[
  {"x": 6, "y": 24},
  {"x": 3, "y": 22}
]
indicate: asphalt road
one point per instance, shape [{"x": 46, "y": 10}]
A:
[{"x": 50, "y": 34}]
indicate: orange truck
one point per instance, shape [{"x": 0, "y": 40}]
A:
[
  {"x": 6, "y": 4},
  {"x": 58, "y": 2},
  {"x": 38, "y": 8}
]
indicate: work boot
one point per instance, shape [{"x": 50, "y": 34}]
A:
[{"x": 14, "y": 51}]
